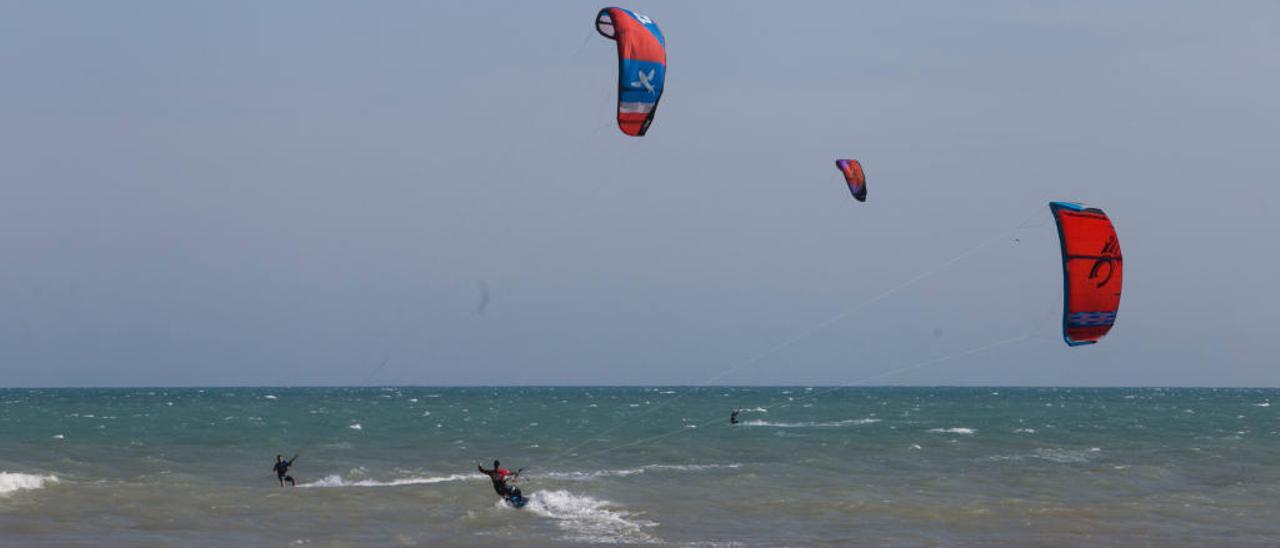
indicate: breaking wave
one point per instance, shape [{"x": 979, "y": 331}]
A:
[
  {"x": 829, "y": 424},
  {"x": 957, "y": 430},
  {"x": 590, "y": 520},
  {"x": 587, "y": 476},
  {"x": 12, "y": 482},
  {"x": 335, "y": 480}
]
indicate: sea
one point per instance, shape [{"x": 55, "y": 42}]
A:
[{"x": 804, "y": 466}]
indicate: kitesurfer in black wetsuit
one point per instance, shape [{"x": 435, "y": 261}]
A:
[
  {"x": 733, "y": 416},
  {"x": 500, "y": 476},
  {"x": 282, "y": 470}
]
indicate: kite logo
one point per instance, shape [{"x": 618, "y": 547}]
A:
[
  {"x": 1110, "y": 252},
  {"x": 645, "y": 80},
  {"x": 644, "y": 19}
]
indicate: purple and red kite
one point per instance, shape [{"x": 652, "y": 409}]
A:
[{"x": 854, "y": 177}]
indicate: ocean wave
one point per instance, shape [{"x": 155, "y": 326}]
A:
[
  {"x": 335, "y": 480},
  {"x": 956, "y": 430},
  {"x": 1058, "y": 455},
  {"x": 1064, "y": 456},
  {"x": 590, "y": 520},
  {"x": 829, "y": 424},
  {"x": 623, "y": 472},
  {"x": 12, "y": 482}
]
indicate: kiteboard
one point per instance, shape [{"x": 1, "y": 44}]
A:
[{"x": 517, "y": 501}]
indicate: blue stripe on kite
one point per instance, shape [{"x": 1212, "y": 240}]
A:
[
  {"x": 1068, "y": 205},
  {"x": 1091, "y": 319}
]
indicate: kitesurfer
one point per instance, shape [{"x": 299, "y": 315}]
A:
[
  {"x": 282, "y": 470},
  {"x": 500, "y": 476},
  {"x": 733, "y": 416}
]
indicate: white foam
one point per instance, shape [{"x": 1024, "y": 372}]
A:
[
  {"x": 356, "y": 426},
  {"x": 12, "y": 482},
  {"x": 271, "y": 397},
  {"x": 335, "y": 480},
  {"x": 829, "y": 424},
  {"x": 1058, "y": 455},
  {"x": 590, "y": 520},
  {"x": 956, "y": 430},
  {"x": 1024, "y": 430},
  {"x": 587, "y": 476},
  {"x": 1263, "y": 404},
  {"x": 59, "y": 437},
  {"x": 1063, "y": 456}
]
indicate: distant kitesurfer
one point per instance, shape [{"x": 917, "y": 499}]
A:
[
  {"x": 733, "y": 417},
  {"x": 282, "y": 470},
  {"x": 500, "y": 476}
]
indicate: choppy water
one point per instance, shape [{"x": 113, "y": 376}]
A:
[{"x": 388, "y": 466}]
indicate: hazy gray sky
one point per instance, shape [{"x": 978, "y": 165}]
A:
[{"x": 292, "y": 192}]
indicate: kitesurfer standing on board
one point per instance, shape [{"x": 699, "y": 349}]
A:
[
  {"x": 282, "y": 470},
  {"x": 500, "y": 476},
  {"x": 733, "y": 416}
]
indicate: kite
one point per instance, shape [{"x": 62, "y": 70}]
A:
[
  {"x": 1092, "y": 272},
  {"x": 642, "y": 66},
  {"x": 854, "y": 177}
]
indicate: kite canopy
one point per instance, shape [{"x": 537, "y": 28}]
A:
[
  {"x": 642, "y": 66},
  {"x": 854, "y": 177},
  {"x": 1092, "y": 272}
]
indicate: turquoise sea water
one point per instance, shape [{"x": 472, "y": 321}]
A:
[{"x": 807, "y": 466}]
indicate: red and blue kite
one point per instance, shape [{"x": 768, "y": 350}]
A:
[
  {"x": 642, "y": 66},
  {"x": 853, "y": 176},
  {"x": 1092, "y": 272}
]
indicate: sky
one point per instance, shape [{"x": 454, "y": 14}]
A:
[{"x": 338, "y": 193}]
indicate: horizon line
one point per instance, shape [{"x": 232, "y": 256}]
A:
[{"x": 699, "y": 386}]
